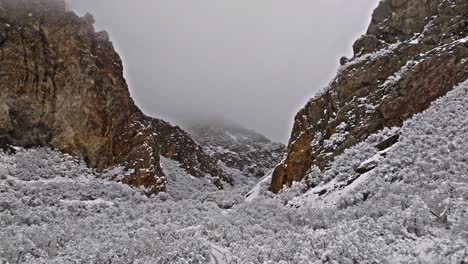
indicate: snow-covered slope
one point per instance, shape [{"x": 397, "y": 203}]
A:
[
  {"x": 54, "y": 210},
  {"x": 237, "y": 147},
  {"x": 408, "y": 204}
]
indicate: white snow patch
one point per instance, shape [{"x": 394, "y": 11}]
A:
[{"x": 257, "y": 189}]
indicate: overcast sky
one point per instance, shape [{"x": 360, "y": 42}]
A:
[{"x": 254, "y": 62}]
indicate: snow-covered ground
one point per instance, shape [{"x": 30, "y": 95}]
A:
[
  {"x": 260, "y": 187},
  {"x": 411, "y": 208}
]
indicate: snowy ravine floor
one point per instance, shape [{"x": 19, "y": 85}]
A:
[{"x": 412, "y": 208}]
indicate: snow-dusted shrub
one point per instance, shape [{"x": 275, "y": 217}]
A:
[{"x": 411, "y": 208}]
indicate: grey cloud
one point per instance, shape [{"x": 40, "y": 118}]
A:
[{"x": 255, "y": 62}]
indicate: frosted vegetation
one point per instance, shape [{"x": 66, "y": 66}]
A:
[{"x": 411, "y": 208}]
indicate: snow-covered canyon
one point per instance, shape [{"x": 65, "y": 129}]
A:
[{"x": 411, "y": 207}]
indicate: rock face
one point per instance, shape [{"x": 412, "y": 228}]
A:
[
  {"x": 62, "y": 85},
  {"x": 237, "y": 147},
  {"x": 414, "y": 52}
]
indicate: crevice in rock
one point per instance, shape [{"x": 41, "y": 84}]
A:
[
  {"x": 24, "y": 54},
  {"x": 49, "y": 67}
]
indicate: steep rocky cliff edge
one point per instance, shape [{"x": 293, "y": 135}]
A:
[
  {"x": 62, "y": 85},
  {"x": 414, "y": 52}
]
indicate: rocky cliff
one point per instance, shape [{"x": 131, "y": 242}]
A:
[
  {"x": 237, "y": 147},
  {"x": 414, "y": 52},
  {"x": 62, "y": 85}
]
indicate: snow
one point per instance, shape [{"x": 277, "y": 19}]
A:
[
  {"x": 337, "y": 138},
  {"x": 372, "y": 56},
  {"x": 257, "y": 189},
  {"x": 182, "y": 185},
  {"x": 218, "y": 255},
  {"x": 231, "y": 135},
  {"x": 88, "y": 202},
  {"x": 446, "y": 46},
  {"x": 411, "y": 208},
  {"x": 463, "y": 40},
  {"x": 390, "y": 82},
  {"x": 374, "y": 161},
  {"x": 240, "y": 148},
  {"x": 335, "y": 192}
]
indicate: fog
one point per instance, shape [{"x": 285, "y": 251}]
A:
[{"x": 253, "y": 62}]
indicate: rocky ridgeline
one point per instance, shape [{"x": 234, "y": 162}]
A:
[
  {"x": 414, "y": 52},
  {"x": 62, "y": 85},
  {"x": 245, "y": 150}
]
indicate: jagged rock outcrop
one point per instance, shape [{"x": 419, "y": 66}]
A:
[
  {"x": 62, "y": 85},
  {"x": 413, "y": 52},
  {"x": 237, "y": 147}
]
